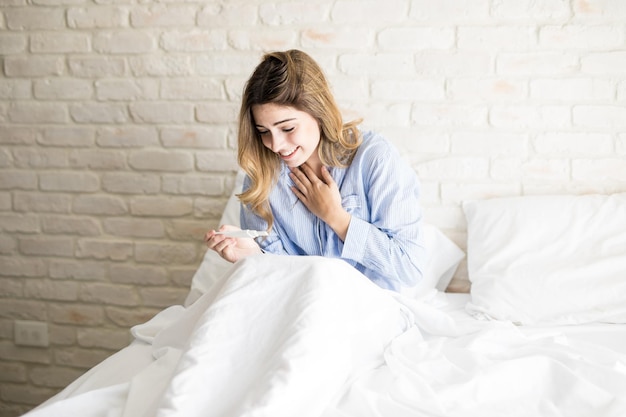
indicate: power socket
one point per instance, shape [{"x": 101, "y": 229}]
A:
[{"x": 31, "y": 333}]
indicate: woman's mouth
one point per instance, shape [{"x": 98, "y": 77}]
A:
[{"x": 289, "y": 154}]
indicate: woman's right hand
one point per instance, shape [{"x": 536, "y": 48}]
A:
[{"x": 231, "y": 248}]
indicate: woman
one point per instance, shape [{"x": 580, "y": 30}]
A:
[{"x": 320, "y": 186}]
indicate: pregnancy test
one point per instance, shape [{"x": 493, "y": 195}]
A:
[{"x": 243, "y": 233}]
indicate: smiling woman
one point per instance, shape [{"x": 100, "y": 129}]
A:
[{"x": 320, "y": 186}]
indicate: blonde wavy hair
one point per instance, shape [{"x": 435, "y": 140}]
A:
[{"x": 291, "y": 78}]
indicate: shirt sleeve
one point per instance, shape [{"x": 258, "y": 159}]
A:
[{"x": 388, "y": 242}]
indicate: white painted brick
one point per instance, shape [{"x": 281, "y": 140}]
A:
[
  {"x": 621, "y": 144},
  {"x": 573, "y": 89},
  {"x": 373, "y": 65},
  {"x": 53, "y": 377},
  {"x": 293, "y": 13},
  {"x": 603, "y": 117},
  {"x": 15, "y": 89},
  {"x": 162, "y": 297},
  {"x": 97, "y": 159},
  {"x": 51, "y": 290},
  {"x": 124, "y": 42},
  {"x": 537, "y": 64},
  {"x": 23, "y": 393},
  {"x": 192, "y": 185},
  {"x": 60, "y": 43},
  {"x": 22, "y": 310},
  {"x": 379, "y": 114},
  {"x": 160, "y": 161},
  {"x": 337, "y": 37},
  {"x": 47, "y": 246},
  {"x": 79, "y": 314},
  {"x": 91, "y": 112},
  {"x": 416, "y": 38},
  {"x": 127, "y": 317},
  {"x": 410, "y": 89},
  {"x": 217, "y": 112},
  {"x": 453, "y": 63},
  {"x": 69, "y": 181},
  {"x": 14, "y": 372},
  {"x": 112, "y": 294},
  {"x": 74, "y": 136},
  {"x": 413, "y": 141},
  {"x": 605, "y": 63},
  {"x": 161, "y": 206},
  {"x": 131, "y": 227},
  {"x": 127, "y": 136},
  {"x": 163, "y": 16},
  {"x": 126, "y": 89},
  {"x": 37, "y": 113},
  {"x": 187, "y": 230},
  {"x": 11, "y": 223},
  {"x": 96, "y": 66},
  {"x": 489, "y": 143},
  {"x": 216, "y": 161},
  {"x": 546, "y": 10},
  {"x": 97, "y": 17},
  {"x": 17, "y": 135},
  {"x": 603, "y": 170},
  {"x": 449, "y": 11},
  {"x": 63, "y": 89},
  {"x": 131, "y": 183},
  {"x": 166, "y": 253},
  {"x": 42, "y": 203},
  {"x": 161, "y": 112},
  {"x": 114, "y": 250},
  {"x": 195, "y": 40},
  {"x": 350, "y": 88},
  {"x": 12, "y": 43},
  {"x": 102, "y": 338},
  {"x": 581, "y": 37},
  {"x": 533, "y": 117},
  {"x": 486, "y": 90},
  {"x": 35, "y": 18},
  {"x": 573, "y": 144},
  {"x": 497, "y": 38},
  {"x": 455, "y": 193},
  {"x": 453, "y": 168},
  {"x": 79, "y": 271},
  {"x": 230, "y": 14},
  {"x": 21, "y": 180},
  {"x": 161, "y": 65},
  {"x": 99, "y": 205},
  {"x": 225, "y": 64},
  {"x": 607, "y": 9},
  {"x": 369, "y": 11},
  {"x": 450, "y": 115},
  {"x": 182, "y": 276},
  {"x": 74, "y": 225},
  {"x": 262, "y": 40},
  {"x": 81, "y": 358},
  {"x": 138, "y": 275},
  {"x": 209, "y": 208},
  {"x": 198, "y": 89},
  {"x": 5, "y": 201},
  {"x": 543, "y": 170}
]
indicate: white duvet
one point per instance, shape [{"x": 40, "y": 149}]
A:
[{"x": 307, "y": 336}]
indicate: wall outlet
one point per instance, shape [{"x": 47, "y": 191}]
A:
[{"x": 31, "y": 333}]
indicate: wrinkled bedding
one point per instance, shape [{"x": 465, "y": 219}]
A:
[{"x": 308, "y": 336}]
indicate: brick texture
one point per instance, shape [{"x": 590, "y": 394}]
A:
[{"x": 118, "y": 126}]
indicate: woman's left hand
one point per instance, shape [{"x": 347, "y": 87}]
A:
[{"x": 321, "y": 196}]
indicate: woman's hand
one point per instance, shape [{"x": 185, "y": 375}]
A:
[
  {"x": 321, "y": 196},
  {"x": 231, "y": 248}
]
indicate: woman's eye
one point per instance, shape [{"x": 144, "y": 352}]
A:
[
  {"x": 290, "y": 129},
  {"x": 262, "y": 132}
]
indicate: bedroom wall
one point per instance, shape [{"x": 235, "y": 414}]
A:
[{"x": 117, "y": 136}]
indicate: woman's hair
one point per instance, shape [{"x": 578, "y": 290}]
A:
[{"x": 293, "y": 79}]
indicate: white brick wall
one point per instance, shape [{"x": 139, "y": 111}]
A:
[{"x": 118, "y": 123}]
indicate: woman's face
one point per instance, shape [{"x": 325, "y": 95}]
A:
[{"x": 292, "y": 134}]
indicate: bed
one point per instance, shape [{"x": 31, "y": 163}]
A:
[{"x": 542, "y": 332}]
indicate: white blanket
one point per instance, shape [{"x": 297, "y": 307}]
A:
[{"x": 307, "y": 336}]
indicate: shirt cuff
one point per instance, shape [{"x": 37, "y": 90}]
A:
[{"x": 356, "y": 240}]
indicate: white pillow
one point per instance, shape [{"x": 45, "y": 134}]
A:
[
  {"x": 445, "y": 257},
  {"x": 548, "y": 259}
]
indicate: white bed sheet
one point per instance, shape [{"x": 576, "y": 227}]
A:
[{"x": 340, "y": 347}]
